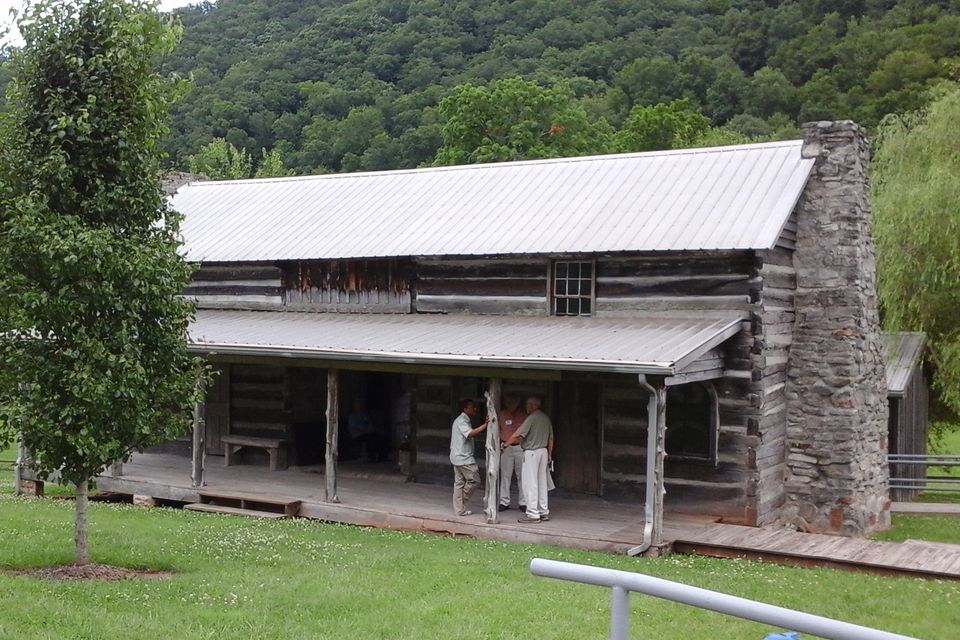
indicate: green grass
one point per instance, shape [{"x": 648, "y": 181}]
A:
[
  {"x": 242, "y": 578},
  {"x": 8, "y": 457},
  {"x": 949, "y": 444},
  {"x": 928, "y": 527}
]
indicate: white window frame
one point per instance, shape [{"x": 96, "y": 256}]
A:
[{"x": 560, "y": 287}]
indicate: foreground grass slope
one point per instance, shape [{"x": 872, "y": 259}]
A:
[{"x": 237, "y": 577}]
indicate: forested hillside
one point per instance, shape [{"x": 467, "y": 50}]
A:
[{"x": 344, "y": 86}]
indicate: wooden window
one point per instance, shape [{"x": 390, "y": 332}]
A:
[
  {"x": 573, "y": 288},
  {"x": 692, "y": 417}
]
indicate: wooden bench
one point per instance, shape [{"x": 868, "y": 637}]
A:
[{"x": 276, "y": 447}]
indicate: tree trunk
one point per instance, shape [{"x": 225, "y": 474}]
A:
[
  {"x": 491, "y": 497},
  {"x": 81, "y": 525}
]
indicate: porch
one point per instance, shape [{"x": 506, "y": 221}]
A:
[{"x": 376, "y": 495}]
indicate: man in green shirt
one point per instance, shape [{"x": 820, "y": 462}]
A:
[
  {"x": 466, "y": 473},
  {"x": 536, "y": 437}
]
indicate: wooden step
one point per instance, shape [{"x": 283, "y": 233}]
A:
[
  {"x": 237, "y": 511},
  {"x": 251, "y": 502}
]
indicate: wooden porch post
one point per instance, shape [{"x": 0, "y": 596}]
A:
[
  {"x": 333, "y": 420},
  {"x": 199, "y": 445},
  {"x": 660, "y": 390},
  {"x": 491, "y": 498}
]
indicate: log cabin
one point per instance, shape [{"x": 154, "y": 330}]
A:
[{"x": 702, "y": 324}]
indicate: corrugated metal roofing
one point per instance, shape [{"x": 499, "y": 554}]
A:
[
  {"x": 901, "y": 352},
  {"x": 646, "y": 345},
  {"x": 736, "y": 197}
]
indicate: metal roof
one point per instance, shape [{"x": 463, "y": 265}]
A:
[
  {"x": 736, "y": 197},
  {"x": 661, "y": 346},
  {"x": 901, "y": 351}
]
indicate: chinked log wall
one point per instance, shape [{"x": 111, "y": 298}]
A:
[
  {"x": 437, "y": 398},
  {"x": 237, "y": 285},
  {"x": 342, "y": 286},
  {"x": 748, "y": 478},
  {"x": 497, "y": 286},
  {"x": 773, "y": 327},
  {"x": 259, "y": 401},
  {"x": 746, "y": 483}
]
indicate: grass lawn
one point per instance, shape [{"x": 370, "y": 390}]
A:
[
  {"x": 949, "y": 445},
  {"x": 242, "y": 578}
]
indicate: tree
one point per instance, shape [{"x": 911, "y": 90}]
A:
[
  {"x": 271, "y": 165},
  {"x": 221, "y": 160},
  {"x": 670, "y": 125},
  {"x": 515, "y": 119},
  {"x": 916, "y": 188},
  {"x": 94, "y": 354}
]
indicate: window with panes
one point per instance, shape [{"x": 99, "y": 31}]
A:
[{"x": 573, "y": 284}]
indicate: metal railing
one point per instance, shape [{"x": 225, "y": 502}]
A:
[
  {"x": 900, "y": 480},
  {"x": 623, "y": 582}
]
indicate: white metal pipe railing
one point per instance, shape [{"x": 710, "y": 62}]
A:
[{"x": 623, "y": 582}]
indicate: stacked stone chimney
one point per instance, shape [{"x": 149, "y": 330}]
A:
[{"x": 836, "y": 392}]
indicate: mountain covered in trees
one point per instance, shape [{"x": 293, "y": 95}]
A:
[{"x": 335, "y": 85}]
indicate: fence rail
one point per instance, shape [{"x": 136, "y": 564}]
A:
[
  {"x": 906, "y": 477},
  {"x": 622, "y": 583}
]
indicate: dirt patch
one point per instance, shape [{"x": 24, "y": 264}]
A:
[{"x": 90, "y": 571}]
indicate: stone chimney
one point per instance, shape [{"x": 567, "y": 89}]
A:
[
  {"x": 171, "y": 181},
  {"x": 836, "y": 389}
]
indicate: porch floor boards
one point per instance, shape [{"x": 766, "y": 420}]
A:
[
  {"x": 915, "y": 557},
  {"x": 383, "y": 499}
]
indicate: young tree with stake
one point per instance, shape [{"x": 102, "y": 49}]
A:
[{"x": 92, "y": 329}]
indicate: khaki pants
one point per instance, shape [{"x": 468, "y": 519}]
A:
[
  {"x": 511, "y": 463},
  {"x": 466, "y": 478}
]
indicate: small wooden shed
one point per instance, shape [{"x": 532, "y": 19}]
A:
[{"x": 909, "y": 394}]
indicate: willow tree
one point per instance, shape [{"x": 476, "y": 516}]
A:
[
  {"x": 93, "y": 344},
  {"x": 916, "y": 191}
]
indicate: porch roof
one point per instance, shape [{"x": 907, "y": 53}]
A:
[
  {"x": 651, "y": 345},
  {"x": 901, "y": 351}
]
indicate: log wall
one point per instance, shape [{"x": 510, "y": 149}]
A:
[
  {"x": 670, "y": 282},
  {"x": 773, "y": 327},
  {"x": 497, "y": 286},
  {"x": 436, "y": 400},
  {"x": 744, "y": 483},
  {"x": 230, "y": 285},
  {"x": 259, "y": 401}
]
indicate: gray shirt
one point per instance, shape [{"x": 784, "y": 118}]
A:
[
  {"x": 461, "y": 444},
  {"x": 536, "y": 430}
]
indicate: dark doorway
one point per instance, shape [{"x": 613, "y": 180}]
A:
[{"x": 366, "y": 401}]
